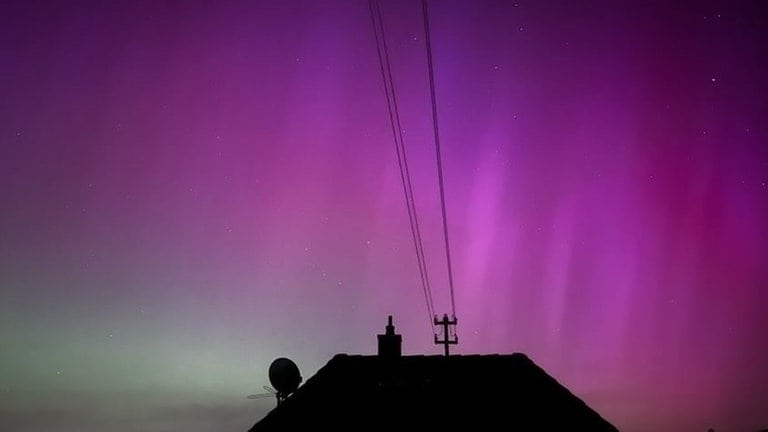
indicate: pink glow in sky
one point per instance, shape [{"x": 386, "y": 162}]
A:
[{"x": 191, "y": 190}]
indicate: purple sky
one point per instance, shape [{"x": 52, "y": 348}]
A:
[{"x": 191, "y": 189}]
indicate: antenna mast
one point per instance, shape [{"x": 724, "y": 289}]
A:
[{"x": 445, "y": 323}]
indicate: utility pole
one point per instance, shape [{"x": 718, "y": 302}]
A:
[{"x": 446, "y": 341}]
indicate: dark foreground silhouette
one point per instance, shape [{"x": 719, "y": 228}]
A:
[{"x": 389, "y": 391}]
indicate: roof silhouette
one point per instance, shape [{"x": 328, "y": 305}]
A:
[{"x": 508, "y": 392}]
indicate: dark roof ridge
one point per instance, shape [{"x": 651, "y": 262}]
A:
[{"x": 505, "y": 383}]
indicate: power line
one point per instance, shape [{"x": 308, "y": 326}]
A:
[
  {"x": 402, "y": 160},
  {"x": 410, "y": 196},
  {"x": 437, "y": 151}
]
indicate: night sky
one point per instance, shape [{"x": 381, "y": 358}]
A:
[{"x": 192, "y": 189}]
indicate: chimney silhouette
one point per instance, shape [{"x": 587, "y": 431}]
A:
[{"x": 390, "y": 344}]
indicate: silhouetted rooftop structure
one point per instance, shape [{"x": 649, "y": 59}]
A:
[{"x": 389, "y": 391}]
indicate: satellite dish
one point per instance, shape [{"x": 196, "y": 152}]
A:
[{"x": 284, "y": 376}]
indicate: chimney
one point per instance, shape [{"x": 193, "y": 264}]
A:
[{"x": 390, "y": 344}]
